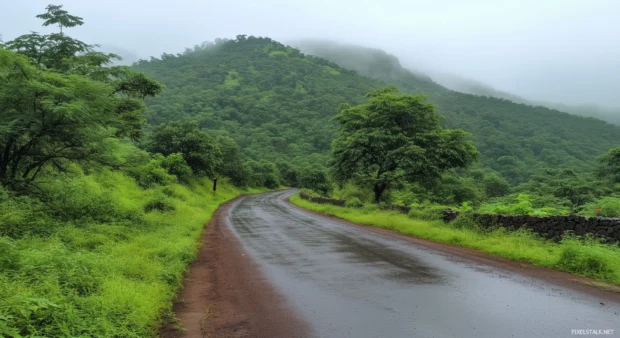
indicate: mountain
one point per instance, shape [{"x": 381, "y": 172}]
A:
[
  {"x": 514, "y": 138},
  {"x": 273, "y": 100},
  {"x": 276, "y": 102}
]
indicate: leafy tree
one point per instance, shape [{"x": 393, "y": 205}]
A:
[
  {"x": 262, "y": 174},
  {"x": 315, "y": 179},
  {"x": 231, "y": 164},
  {"x": 395, "y": 138},
  {"x": 288, "y": 174},
  {"x": 609, "y": 165},
  {"x": 495, "y": 185},
  {"x": 199, "y": 150},
  {"x": 60, "y": 103}
]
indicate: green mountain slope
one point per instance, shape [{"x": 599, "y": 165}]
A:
[
  {"x": 274, "y": 101},
  {"x": 277, "y": 103},
  {"x": 513, "y": 138}
]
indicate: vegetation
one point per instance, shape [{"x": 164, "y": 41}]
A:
[
  {"x": 279, "y": 105},
  {"x": 394, "y": 139},
  {"x": 587, "y": 258},
  {"x": 514, "y": 140},
  {"x": 95, "y": 232}
]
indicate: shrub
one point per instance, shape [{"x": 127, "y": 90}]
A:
[
  {"x": 465, "y": 221},
  {"x": 176, "y": 165},
  {"x": 607, "y": 206},
  {"x": 585, "y": 257},
  {"x": 354, "y": 202},
  {"x": 152, "y": 173},
  {"x": 9, "y": 256},
  {"x": 24, "y": 215},
  {"x": 159, "y": 203},
  {"x": 426, "y": 211}
]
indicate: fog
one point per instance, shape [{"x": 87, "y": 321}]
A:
[{"x": 554, "y": 50}]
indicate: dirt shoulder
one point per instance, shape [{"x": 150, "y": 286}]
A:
[
  {"x": 586, "y": 285},
  {"x": 226, "y": 295}
]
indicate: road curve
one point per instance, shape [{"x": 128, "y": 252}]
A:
[{"x": 349, "y": 281}]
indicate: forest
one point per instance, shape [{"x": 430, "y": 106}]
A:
[{"x": 279, "y": 105}]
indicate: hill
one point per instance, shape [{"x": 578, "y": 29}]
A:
[
  {"x": 514, "y": 138},
  {"x": 273, "y": 100},
  {"x": 276, "y": 102}
]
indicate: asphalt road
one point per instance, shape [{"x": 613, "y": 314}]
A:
[{"x": 349, "y": 281}]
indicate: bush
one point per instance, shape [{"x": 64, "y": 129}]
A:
[
  {"x": 465, "y": 221},
  {"x": 176, "y": 165},
  {"x": 159, "y": 203},
  {"x": 607, "y": 206},
  {"x": 152, "y": 174},
  {"x": 354, "y": 202},
  {"x": 585, "y": 257},
  {"x": 23, "y": 215},
  {"x": 9, "y": 256},
  {"x": 426, "y": 211}
]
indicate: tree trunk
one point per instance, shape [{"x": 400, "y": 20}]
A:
[{"x": 379, "y": 189}]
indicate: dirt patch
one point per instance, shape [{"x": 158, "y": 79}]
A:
[
  {"x": 226, "y": 295},
  {"x": 586, "y": 285}
]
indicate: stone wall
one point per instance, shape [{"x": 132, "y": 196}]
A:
[{"x": 550, "y": 227}]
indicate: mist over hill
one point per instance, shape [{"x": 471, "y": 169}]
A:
[{"x": 377, "y": 63}]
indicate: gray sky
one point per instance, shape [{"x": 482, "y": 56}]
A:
[{"x": 556, "y": 50}]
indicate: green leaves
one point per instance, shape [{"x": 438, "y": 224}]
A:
[
  {"x": 185, "y": 137},
  {"x": 394, "y": 139},
  {"x": 60, "y": 103},
  {"x": 55, "y": 15}
]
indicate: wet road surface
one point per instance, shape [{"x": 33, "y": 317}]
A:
[{"x": 347, "y": 281}]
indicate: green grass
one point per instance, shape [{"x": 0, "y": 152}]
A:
[
  {"x": 111, "y": 272},
  {"x": 587, "y": 258}
]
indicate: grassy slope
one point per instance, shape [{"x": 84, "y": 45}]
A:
[
  {"x": 587, "y": 259},
  {"x": 105, "y": 279}
]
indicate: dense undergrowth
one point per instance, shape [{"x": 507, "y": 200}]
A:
[
  {"x": 102, "y": 258},
  {"x": 583, "y": 257}
]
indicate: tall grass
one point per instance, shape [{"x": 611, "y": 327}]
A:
[
  {"x": 108, "y": 264},
  {"x": 583, "y": 257}
]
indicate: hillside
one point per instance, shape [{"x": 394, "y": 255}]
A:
[
  {"x": 277, "y": 103},
  {"x": 274, "y": 101},
  {"x": 513, "y": 138}
]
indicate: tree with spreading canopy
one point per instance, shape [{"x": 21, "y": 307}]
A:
[
  {"x": 393, "y": 139},
  {"x": 61, "y": 102},
  {"x": 199, "y": 150}
]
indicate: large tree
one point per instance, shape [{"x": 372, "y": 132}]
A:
[
  {"x": 199, "y": 150},
  {"x": 394, "y": 139},
  {"x": 60, "y": 102}
]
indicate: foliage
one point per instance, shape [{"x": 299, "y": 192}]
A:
[
  {"x": 609, "y": 165},
  {"x": 262, "y": 174},
  {"x": 93, "y": 273},
  {"x": 60, "y": 102},
  {"x": 514, "y": 140},
  {"x": 395, "y": 138},
  {"x": 95, "y": 234},
  {"x": 198, "y": 149},
  {"x": 426, "y": 211},
  {"x": 354, "y": 202},
  {"x": 522, "y": 204},
  {"x": 231, "y": 164},
  {"x": 276, "y": 106}
]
